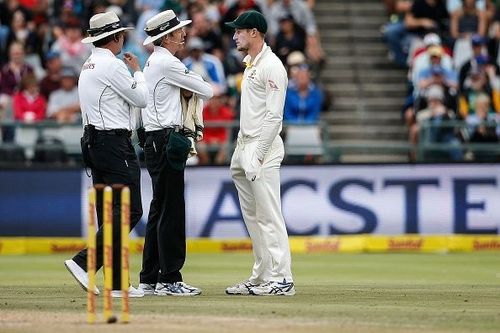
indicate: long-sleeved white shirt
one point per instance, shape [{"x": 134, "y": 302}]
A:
[
  {"x": 263, "y": 90},
  {"x": 165, "y": 76},
  {"x": 108, "y": 93}
]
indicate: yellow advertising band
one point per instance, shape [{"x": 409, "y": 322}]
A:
[{"x": 341, "y": 244}]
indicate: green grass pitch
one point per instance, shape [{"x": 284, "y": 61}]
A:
[{"x": 335, "y": 293}]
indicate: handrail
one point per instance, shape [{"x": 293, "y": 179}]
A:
[{"x": 332, "y": 151}]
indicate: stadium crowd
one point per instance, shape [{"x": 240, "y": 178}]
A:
[
  {"x": 451, "y": 51},
  {"x": 41, "y": 55}
]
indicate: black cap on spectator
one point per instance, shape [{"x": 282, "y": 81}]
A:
[{"x": 249, "y": 20}]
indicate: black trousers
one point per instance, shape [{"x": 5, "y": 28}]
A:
[
  {"x": 114, "y": 162},
  {"x": 165, "y": 243}
]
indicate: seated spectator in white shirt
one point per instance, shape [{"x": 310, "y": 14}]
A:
[{"x": 64, "y": 105}]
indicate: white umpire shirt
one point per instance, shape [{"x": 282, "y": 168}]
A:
[
  {"x": 165, "y": 76},
  {"x": 263, "y": 91},
  {"x": 108, "y": 93}
]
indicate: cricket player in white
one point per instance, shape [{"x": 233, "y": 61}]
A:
[{"x": 256, "y": 161}]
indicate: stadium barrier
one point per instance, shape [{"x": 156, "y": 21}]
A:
[{"x": 338, "y": 244}]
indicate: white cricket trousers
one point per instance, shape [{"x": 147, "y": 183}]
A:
[{"x": 260, "y": 202}]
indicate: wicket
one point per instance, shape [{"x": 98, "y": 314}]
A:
[{"x": 107, "y": 215}]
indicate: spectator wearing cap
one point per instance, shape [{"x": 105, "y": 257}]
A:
[
  {"x": 64, "y": 105},
  {"x": 69, "y": 45},
  {"x": 208, "y": 66},
  {"x": 421, "y": 59},
  {"x": 436, "y": 73},
  {"x": 52, "y": 79},
  {"x": 291, "y": 37}
]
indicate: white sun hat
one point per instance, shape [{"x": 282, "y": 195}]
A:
[
  {"x": 103, "y": 25},
  {"x": 162, "y": 24}
]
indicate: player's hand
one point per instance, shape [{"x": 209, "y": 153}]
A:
[
  {"x": 131, "y": 61},
  {"x": 254, "y": 170}
]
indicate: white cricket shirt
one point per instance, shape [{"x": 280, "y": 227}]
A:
[
  {"x": 108, "y": 92},
  {"x": 165, "y": 76},
  {"x": 263, "y": 91}
]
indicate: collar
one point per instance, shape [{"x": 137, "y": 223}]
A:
[
  {"x": 247, "y": 59},
  {"x": 102, "y": 51},
  {"x": 161, "y": 49}
]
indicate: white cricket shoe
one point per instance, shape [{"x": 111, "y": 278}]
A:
[
  {"x": 274, "y": 288},
  {"x": 79, "y": 274},
  {"x": 176, "y": 289},
  {"x": 242, "y": 288},
  {"x": 147, "y": 288},
  {"x": 132, "y": 293}
]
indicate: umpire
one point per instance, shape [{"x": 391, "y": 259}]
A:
[
  {"x": 108, "y": 96},
  {"x": 165, "y": 243}
]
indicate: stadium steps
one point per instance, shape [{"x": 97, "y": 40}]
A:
[{"x": 364, "y": 122}]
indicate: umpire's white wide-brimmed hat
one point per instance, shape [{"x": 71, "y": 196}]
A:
[
  {"x": 103, "y": 25},
  {"x": 162, "y": 24}
]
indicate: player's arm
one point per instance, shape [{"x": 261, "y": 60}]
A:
[
  {"x": 182, "y": 77},
  {"x": 276, "y": 82}
]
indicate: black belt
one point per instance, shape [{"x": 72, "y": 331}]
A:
[
  {"x": 165, "y": 131},
  {"x": 117, "y": 132}
]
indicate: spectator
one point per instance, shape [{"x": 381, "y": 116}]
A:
[
  {"x": 52, "y": 79},
  {"x": 466, "y": 22},
  {"x": 10, "y": 79},
  {"x": 29, "y": 105},
  {"x": 436, "y": 74},
  {"x": 468, "y": 19},
  {"x": 208, "y": 66},
  {"x": 396, "y": 35},
  {"x": 290, "y": 38},
  {"x": 426, "y": 16},
  {"x": 303, "y": 99},
  {"x": 421, "y": 57},
  {"x": 304, "y": 17},
  {"x": 439, "y": 131},
  {"x": 482, "y": 127},
  {"x": 236, "y": 9},
  {"x": 64, "y": 104},
  {"x": 209, "y": 33},
  {"x": 476, "y": 84},
  {"x": 213, "y": 148},
  {"x": 14, "y": 70},
  {"x": 73, "y": 51},
  {"x": 478, "y": 59}
]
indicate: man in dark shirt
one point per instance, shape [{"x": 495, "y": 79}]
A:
[{"x": 427, "y": 16}]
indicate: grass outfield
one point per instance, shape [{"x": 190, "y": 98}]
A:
[{"x": 335, "y": 293}]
